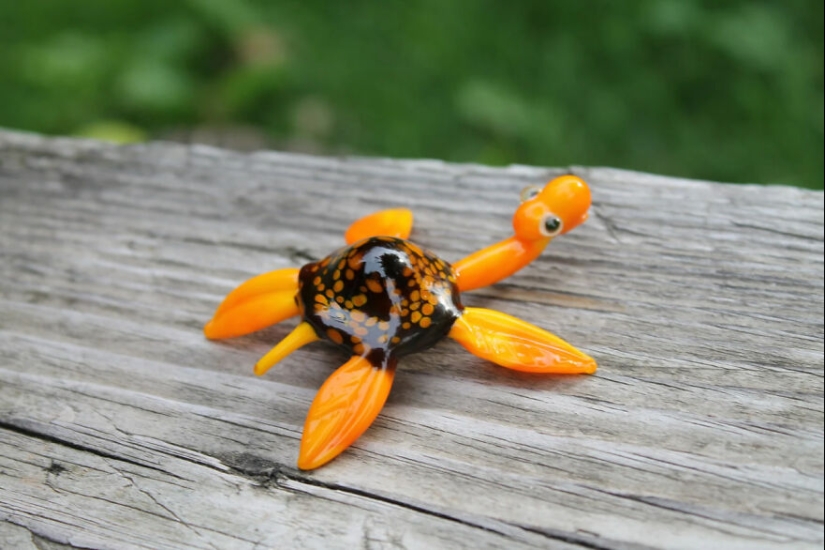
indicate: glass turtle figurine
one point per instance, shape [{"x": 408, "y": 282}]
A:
[{"x": 382, "y": 297}]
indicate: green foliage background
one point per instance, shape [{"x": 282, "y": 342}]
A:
[{"x": 729, "y": 90}]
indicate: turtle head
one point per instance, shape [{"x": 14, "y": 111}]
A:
[
  {"x": 552, "y": 210},
  {"x": 544, "y": 213}
]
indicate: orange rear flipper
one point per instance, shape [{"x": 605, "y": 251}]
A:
[
  {"x": 259, "y": 302},
  {"x": 516, "y": 344},
  {"x": 396, "y": 222},
  {"x": 343, "y": 409}
]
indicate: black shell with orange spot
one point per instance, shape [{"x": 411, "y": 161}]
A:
[{"x": 381, "y": 298}]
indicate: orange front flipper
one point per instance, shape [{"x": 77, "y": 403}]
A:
[
  {"x": 396, "y": 222},
  {"x": 343, "y": 409},
  {"x": 259, "y": 302},
  {"x": 516, "y": 344}
]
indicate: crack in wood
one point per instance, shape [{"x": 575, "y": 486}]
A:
[
  {"x": 268, "y": 473},
  {"x": 22, "y": 429}
]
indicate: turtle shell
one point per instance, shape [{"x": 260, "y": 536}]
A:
[{"x": 380, "y": 298}]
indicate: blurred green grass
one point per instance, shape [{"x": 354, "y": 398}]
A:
[{"x": 723, "y": 90}]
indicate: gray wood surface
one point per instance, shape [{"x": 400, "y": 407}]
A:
[{"x": 122, "y": 427}]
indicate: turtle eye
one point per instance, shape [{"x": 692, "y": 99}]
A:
[
  {"x": 551, "y": 225},
  {"x": 530, "y": 192}
]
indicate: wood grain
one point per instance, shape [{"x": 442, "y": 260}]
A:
[{"x": 122, "y": 427}]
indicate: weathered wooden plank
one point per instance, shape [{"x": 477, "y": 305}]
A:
[{"x": 121, "y": 427}]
